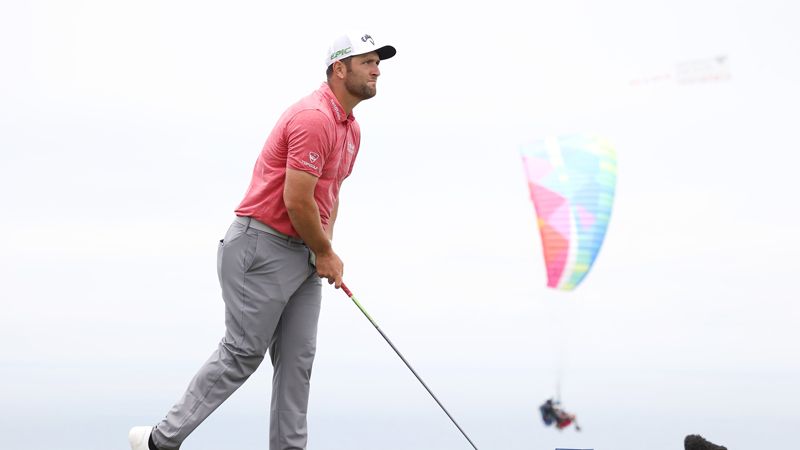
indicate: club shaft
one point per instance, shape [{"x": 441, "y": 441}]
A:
[{"x": 386, "y": 338}]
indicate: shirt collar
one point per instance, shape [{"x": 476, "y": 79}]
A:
[{"x": 333, "y": 103}]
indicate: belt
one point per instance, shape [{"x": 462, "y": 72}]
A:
[{"x": 253, "y": 223}]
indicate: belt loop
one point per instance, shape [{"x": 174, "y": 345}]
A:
[{"x": 247, "y": 225}]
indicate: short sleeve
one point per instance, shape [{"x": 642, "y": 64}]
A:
[{"x": 308, "y": 141}]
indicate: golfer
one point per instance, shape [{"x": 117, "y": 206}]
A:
[{"x": 273, "y": 257}]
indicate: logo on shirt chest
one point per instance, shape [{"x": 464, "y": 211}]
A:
[
  {"x": 313, "y": 157},
  {"x": 350, "y": 147}
]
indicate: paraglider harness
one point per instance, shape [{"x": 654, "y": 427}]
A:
[{"x": 553, "y": 414}]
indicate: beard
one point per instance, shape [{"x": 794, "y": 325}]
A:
[{"x": 361, "y": 91}]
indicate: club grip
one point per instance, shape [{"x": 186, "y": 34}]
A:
[{"x": 346, "y": 291}]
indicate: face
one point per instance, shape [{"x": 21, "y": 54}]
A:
[{"x": 361, "y": 80}]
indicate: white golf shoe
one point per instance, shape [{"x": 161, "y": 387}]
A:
[{"x": 139, "y": 437}]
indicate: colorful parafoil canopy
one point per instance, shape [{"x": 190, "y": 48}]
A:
[{"x": 571, "y": 181}]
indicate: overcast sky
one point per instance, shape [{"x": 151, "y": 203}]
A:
[{"x": 128, "y": 132}]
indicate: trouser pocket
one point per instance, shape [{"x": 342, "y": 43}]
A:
[{"x": 219, "y": 259}]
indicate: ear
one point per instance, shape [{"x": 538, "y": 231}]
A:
[{"x": 339, "y": 69}]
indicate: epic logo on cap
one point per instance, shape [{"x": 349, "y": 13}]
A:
[{"x": 341, "y": 52}]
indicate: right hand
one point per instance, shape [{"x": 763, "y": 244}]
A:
[{"x": 329, "y": 266}]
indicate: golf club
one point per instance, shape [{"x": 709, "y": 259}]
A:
[{"x": 353, "y": 298}]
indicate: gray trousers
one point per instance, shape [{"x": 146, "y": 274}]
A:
[{"x": 272, "y": 302}]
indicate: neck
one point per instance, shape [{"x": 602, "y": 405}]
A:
[{"x": 347, "y": 100}]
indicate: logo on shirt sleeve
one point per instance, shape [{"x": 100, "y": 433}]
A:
[{"x": 313, "y": 157}]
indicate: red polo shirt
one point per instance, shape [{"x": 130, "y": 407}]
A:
[{"x": 314, "y": 136}]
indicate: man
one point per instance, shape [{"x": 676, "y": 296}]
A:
[
  {"x": 697, "y": 442},
  {"x": 276, "y": 251},
  {"x": 552, "y": 413},
  {"x": 548, "y": 411}
]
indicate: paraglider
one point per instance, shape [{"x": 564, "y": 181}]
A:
[{"x": 571, "y": 180}]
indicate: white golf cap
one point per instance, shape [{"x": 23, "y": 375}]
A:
[{"x": 352, "y": 44}]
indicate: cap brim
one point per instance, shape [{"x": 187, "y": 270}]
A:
[{"x": 386, "y": 52}]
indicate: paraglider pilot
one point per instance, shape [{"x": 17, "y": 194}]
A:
[{"x": 553, "y": 414}]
